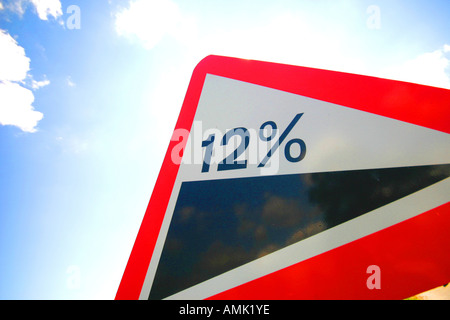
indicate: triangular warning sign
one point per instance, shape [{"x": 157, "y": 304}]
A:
[{"x": 277, "y": 173}]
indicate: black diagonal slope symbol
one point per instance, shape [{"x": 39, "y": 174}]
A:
[{"x": 219, "y": 225}]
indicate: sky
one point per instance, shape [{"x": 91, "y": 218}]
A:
[{"x": 90, "y": 92}]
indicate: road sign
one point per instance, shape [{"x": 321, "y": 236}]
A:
[{"x": 286, "y": 182}]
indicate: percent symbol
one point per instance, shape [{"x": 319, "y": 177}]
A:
[{"x": 284, "y": 134}]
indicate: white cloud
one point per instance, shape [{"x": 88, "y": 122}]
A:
[
  {"x": 16, "y": 107},
  {"x": 44, "y": 8},
  {"x": 431, "y": 68},
  {"x": 14, "y": 64},
  {"x": 47, "y": 8},
  {"x": 16, "y": 101},
  {"x": 148, "y": 21},
  {"x": 286, "y": 38},
  {"x": 70, "y": 82},
  {"x": 16, "y": 6},
  {"x": 39, "y": 84}
]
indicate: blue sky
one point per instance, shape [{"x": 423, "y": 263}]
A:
[{"x": 90, "y": 92}]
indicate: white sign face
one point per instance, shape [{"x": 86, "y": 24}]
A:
[
  {"x": 256, "y": 186},
  {"x": 336, "y": 138}
]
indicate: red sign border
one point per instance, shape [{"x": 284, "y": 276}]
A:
[{"x": 394, "y": 99}]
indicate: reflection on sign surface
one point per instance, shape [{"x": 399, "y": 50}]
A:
[{"x": 219, "y": 225}]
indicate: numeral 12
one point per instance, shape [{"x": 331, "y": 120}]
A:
[{"x": 230, "y": 162}]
